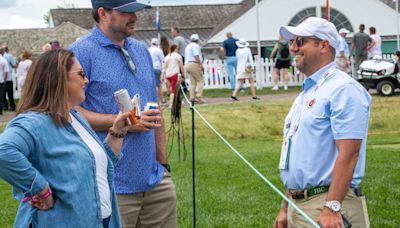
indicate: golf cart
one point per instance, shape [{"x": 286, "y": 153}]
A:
[{"x": 382, "y": 75}]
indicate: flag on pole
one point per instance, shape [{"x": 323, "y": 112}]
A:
[
  {"x": 158, "y": 24},
  {"x": 327, "y": 11}
]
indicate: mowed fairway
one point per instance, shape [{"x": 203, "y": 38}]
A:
[{"x": 229, "y": 194}]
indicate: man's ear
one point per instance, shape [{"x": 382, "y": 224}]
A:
[
  {"x": 102, "y": 13},
  {"x": 325, "y": 46}
]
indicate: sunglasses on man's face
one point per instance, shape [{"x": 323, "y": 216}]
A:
[
  {"x": 129, "y": 61},
  {"x": 301, "y": 40}
]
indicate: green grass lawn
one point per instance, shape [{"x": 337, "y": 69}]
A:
[{"x": 229, "y": 194}]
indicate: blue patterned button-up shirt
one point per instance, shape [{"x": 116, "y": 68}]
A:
[{"x": 108, "y": 71}]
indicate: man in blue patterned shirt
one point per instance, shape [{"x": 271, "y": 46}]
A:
[{"x": 112, "y": 60}]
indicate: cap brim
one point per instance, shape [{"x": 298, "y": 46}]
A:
[
  {"x": 132, "y": 7},
  {"x": 289, "y": 32},
  {"x": 242, "y": 45}
]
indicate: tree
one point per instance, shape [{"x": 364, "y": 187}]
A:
[{"x": 46, "y": 17}]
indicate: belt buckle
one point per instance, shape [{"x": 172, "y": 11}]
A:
[
  {"x": 298, "y": 195},
  {"x": 305, "y": 192}
]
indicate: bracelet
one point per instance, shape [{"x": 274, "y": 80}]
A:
[
  {"x": 116, "y": 134},
  {"x": 47, "y": 194}
]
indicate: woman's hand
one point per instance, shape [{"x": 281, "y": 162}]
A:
[
  {"x": 118, "y": 131},
  {"x": 44, "y": 200},
  {"x": 120, "y": 124}
]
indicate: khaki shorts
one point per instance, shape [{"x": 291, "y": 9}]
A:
[
  {"x": 353, "y": 208},
  {"x": 153, "y": 209}
]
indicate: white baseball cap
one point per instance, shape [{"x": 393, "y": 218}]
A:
[
  {"x": 194, "y": 37},
  {"x": 312, "y": 26},
  {"x": 343, "y": 30},
  {"x": 154, "y": 41}
]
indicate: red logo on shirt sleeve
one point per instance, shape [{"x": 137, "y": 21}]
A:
[{"x": 311, "y": 103}]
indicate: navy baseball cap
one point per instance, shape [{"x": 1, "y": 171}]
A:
[{"x": 125, "y": 6}]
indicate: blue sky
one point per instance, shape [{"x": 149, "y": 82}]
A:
[{"x": 16, "y": 14}]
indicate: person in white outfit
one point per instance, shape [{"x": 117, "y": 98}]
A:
[
  {"x": 23, "y": 67},
  {"x": 374, "y": 48},
  {"x": 245, "y": 68},
  {"x": 157, "y": 56},
  {"x": 342, "y": 52}
]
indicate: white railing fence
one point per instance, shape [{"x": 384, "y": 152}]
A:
[{"x": 216, "y": 76}]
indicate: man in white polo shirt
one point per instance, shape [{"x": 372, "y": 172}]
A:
[
  {"x": 323, "y": 152},
  {"x": 194, "y": 67},
  {"x": 342, "y": 52}
]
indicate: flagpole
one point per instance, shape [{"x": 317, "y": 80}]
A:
[
  {"x": 158, "y": 25},
  {"x": 258, "y": 68},
  {"x": 327, "y": 11}
]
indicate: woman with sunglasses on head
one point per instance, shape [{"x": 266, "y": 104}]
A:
[{"x": 62, "y": 174}]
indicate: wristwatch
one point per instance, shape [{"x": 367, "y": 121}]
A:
[
  {"x": 167, "y": 167},
  {"x": 334, "y": 205}
]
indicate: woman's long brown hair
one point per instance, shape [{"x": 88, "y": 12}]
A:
[{"x": 45, "y": 87}]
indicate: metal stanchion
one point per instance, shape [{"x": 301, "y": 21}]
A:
[{"x": 193, "y": 169}]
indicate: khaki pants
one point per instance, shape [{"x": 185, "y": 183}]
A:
[
  {"x": 353, "y": 208},
  {"x": 153, "y": 209},
  {"x": 342, "y": 64},
  {"x": 196, "y": 80}
]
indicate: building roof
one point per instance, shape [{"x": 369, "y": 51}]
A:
[
  {"x": 200, "y": 19},
  {"x": 20, "y": 39}
]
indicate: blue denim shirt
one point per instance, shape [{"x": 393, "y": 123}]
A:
[{"x": 34, "y": 153}]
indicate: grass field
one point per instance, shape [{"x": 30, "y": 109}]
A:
[{"x": 229, "y": 194}]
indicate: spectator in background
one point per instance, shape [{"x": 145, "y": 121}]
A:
[
  {"x": 245, "y": 68},
  {"x": 3, "y": 76},
  {"x": 9, "y": 103},
  {"x": 194, "y": 67},
  {"x": 361, "y": 42},
  {"x": 342, "y": 52},
  {"x": 228, "y": 50},
  {"x": 157, "y": 56},
  {"x": 172, "y": 66},
  {"x": 283, "y": 58},
  {"x": 23, "y": 67},
  {"x": 164, "y": 45},
  {"x": 46, "y": 47},
  {"x": 55, "y": 44},
  {"x": 396, "y": 59},
  {"x": 374, "y": 48},
  {"x": 179, "y": 41}
]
